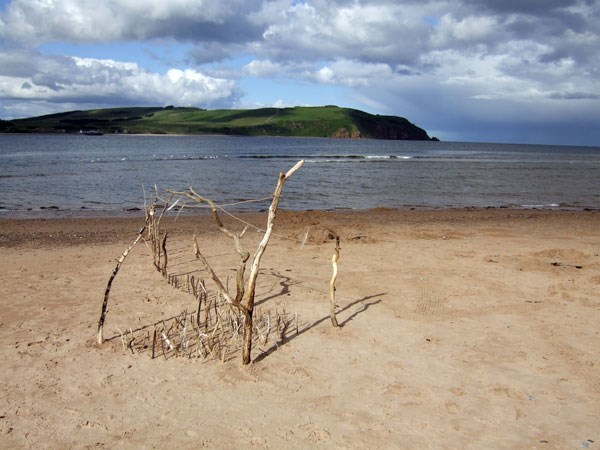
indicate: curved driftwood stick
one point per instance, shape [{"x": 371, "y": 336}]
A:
[
  {"x": 213, "y": 275},
  {"x": 163, "y": 246},
  {"x": 100, "y": 335},
  {"x": 334, "y": 260}
]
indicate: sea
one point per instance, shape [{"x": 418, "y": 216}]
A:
[{"x": 80, "y": 176}]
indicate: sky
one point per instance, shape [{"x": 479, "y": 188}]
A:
[{"x": 522, "y": 71}]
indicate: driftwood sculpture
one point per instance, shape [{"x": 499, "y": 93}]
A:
[
  {"x": 247, "y": 307},
  {"x": 177, "y": 337}
]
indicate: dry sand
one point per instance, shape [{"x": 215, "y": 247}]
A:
[{"x": 457, "y": 332}]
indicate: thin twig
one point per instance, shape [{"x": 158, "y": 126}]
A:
[{"x": 103, "y": 312}]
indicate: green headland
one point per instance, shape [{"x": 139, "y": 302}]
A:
[{"x": 322, "y": 121}]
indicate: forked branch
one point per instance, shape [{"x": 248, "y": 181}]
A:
[{"x": 283, "y": 177}]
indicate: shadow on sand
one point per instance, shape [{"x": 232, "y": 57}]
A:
[{"x": 286, "y": 339}]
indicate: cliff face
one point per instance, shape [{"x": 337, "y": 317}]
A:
[
  {"x": 387, "y": 127},
  {"x": 404, "y": 132},
  {"x": 343, "y": 133}
]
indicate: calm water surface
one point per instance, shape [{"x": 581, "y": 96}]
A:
[{"x": 82, "y": 175}]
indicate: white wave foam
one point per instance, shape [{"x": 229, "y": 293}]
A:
[{"x": 546, "y": 205}]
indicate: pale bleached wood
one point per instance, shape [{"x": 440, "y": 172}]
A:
[
  {"x": 247, "y": 346},
  {"x": 213, "y": 275},
  {"x": 332, "y": 289},
  {"x": 248, "y": 308}
]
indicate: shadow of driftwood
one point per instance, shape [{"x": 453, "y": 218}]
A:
[
  {"x": 365, "y": 306},
  {"x": 285, "y": 284},
  {"x": 286, "y": 339}
]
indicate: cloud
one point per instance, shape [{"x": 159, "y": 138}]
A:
[
  {"x": 575, "y": 95},
  {"x": 208, "y": 52},
  {"x": 538, "y": 8},
  {"x": 84, "y": 21},
  {"x": 87, "y": 80},
  {"x": 352, "y": 73},
  {"x": 472, "y": 31},
  {"x": 264, "y": 68},
  {"x": 341, "y": 72},
  {"x": 369, "y": 32}
]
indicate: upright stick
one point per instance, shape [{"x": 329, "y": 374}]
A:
[
  {"x": 334, "y": 260},
  {"x": 100, "y": 336},
  {"x": 256, "y": 261}
]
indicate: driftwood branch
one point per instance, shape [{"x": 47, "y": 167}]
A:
[
  {"x": 283, "y": 177},
  {"x": 334, "y": 260},
  {"x": 153, "y": 220},
  {"x": 100, "y": 336},
  {"x": 163, "y": 246},
  {"x": 213, "y": 275}
]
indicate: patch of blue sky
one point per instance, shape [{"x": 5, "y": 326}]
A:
[
  {"x": 154, "y": 57},
  {"x": 262, "y": 92},
  {"x": 433, "y": 21}
]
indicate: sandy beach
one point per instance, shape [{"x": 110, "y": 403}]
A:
[{"x": 460, "y": 329}]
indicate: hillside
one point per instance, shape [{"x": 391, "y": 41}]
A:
[{"x": 323, "y": 121}]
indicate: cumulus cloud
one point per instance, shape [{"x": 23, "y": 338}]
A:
[
  {"x": 370, "y": 32},
  {"x": 90, "y": 80},
  {"x": 352, "y": 73},
  {"x": 264, "y": 68}
]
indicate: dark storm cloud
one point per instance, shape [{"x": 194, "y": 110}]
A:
[
  {"x": 530, "y": 7},
  {"x": 87, "y": 21},
  {"x": 230, "y": 30},
  {"x": 575, "y": 96}
]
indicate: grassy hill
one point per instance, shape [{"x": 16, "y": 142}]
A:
[{"x": 323, "y": 121}]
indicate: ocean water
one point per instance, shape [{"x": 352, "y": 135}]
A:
[{"x": 74, "y": 175}]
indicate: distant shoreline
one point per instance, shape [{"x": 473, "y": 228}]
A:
[{"x": 134, "y": 213}]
